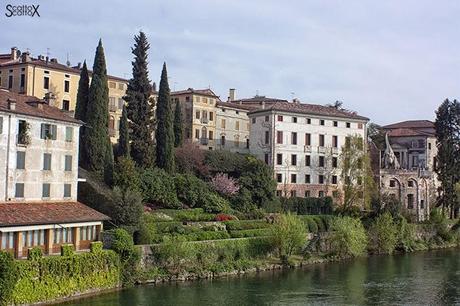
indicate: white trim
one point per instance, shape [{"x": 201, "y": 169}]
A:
[{"x": 46, "y": 226}]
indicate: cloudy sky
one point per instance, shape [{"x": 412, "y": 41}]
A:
[{"x": 389, "y": 60}]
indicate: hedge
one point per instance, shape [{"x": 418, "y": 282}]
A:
[
  {"x": 317, "y": 223},
  {"x": 246, "y": 224},
  {"x": 258, "y": 232},
  {"x": 48, "y": 278},
  {"x": 309, "y": 206}
]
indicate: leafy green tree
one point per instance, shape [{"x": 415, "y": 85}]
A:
[
  {"x": 127, "y": 207},
  {"x": 165, "y": 129},
  {"x": 383, "y": 234},
  {"x": 126, "y": 176},
  {"x": 288, "y": 235},
  {"x": 359, "y": 186},
  {"x": 8, "y": 277},
  {"x": 96, "y": 140},
  {"x": 158, "y": 188},
  {"x": 447, "y": 126},
  {"x": 123, "y": 140},
  {"x": 140, "y": 106},
  {"x": 178, "y": 126},
  {"x": 81, "y": 108},
  {"x": 348, "y": 237}
]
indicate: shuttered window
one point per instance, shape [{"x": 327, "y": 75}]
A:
[
  {"x": 47, "y": 161},
  {"x": 48, "y": 131}
]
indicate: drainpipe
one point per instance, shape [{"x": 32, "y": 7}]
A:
[{"x": 7, "y": 157}]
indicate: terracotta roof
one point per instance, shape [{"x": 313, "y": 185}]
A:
[
  {"x": 25, "y": 105},
  {"x": 403, "y": 132},
  {"x": 14, "y": 214},
  {"x": 259, "y": 100},
  {"x": 311, "y": 109},
  {"x": 204, "y": 92},
  {"x": 236, "y": 105},
  {"x": 410, "y": 124}
]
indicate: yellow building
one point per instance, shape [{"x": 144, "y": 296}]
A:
[
  {"x": 199, "y": 111},
  {"x": 57, "y": 83}
]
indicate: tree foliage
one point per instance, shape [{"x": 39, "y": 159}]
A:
[
  {"x": 348, "y": 236},
  {"x": 127, "y": 207},
  {"x": 123, "y": 146},
  {"x": 81, "y": 109},
  {"x": 383, "y": 234},
  {"x": 289, "y": 234},
  {"x": 126, "y": 175}
]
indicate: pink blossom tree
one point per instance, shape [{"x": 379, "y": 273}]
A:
[{"x": 224, "y": 184}]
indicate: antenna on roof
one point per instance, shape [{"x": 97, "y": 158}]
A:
[
  {"x": 68, "y": 62},
  {"x": 48, "y": 52}
]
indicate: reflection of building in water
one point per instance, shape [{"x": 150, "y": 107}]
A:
[{"x": 407, "y": 163}]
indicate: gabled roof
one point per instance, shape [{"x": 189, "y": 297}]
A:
[
  {"x": 235, "y": 105},
  {"x": 310, "y": 109},
  {"x": 38, "y": 213},
  {"x": 259, "y": 100},
  {"x": 410, "y": 124},
  {"x": 203, "y": 92},
  {"x": 403, "y": 132},
  {"x": 32, "y": 106}
]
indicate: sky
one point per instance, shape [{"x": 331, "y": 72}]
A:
[{"x": 388, "y": 60}]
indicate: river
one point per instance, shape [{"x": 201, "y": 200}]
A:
[{"x": 423, "y": 278}]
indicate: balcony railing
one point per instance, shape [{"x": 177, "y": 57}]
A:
[
  {"x": 335, "y": 150},
  {"x": 307, "y": 149},
  {"x": 113, "y": 108},
  {"x": 321, "y": 149},
  {"x": 204, "y": 141},
  {"x": 204, "y": 120}
]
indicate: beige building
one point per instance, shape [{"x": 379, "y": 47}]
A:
[
  {"x": 46, "y": 78},
  {"x": 38, "y": 179}
]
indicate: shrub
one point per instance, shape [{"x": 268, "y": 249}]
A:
[
  {"x": 195, "y": 215},
  {"x": 190, "y": 159},
  {"x": 34, "y": 253},
  {"x": 406, "y": 236},
  {"x": 190, "y": 189},
  {"x": 224, "y": 217},
  {"x": 348, "y": 236},
  {"x": 440, "y": 224},
  {"x": 8, "y": 277},
  {"x": 246, "y": 224},
  {"x": 383, "y": 234},
  {"x": 67, "y": 250},
  {"x": 147, "y": 230},
  {"x": 158, "y": 187},
  {"x": 214, "y": 203},
  {"x": 173, "y": 253},
  {"x": 258, "y": 232},
  {"x": 123, "y": 245},
  {"x": 96, "y": 247},
  {"x": 127, "y": 207},
  {"x": 309, "y": 206},
  {"x": 288, "y": 234},
  {"x": 207, "y": 235},
  {"x": 125, "y": 174}
]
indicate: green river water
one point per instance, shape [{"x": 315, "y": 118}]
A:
[{"x": 423, "y": 278}]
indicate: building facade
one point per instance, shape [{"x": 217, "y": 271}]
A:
[
  {"x": 302, "y": 143},
  {"x": 232, "y": 127},
  {"x": 38, "y": 179},
  {"x": 406, "y": 166},
  {"x": 46, "y": 78}
]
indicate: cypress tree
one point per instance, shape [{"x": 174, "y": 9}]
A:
[
  {"x": 81, "y": 109},
  {"x": 140, "y": 106},
  {"x": 165, "y": 130},
  {"x": 123, "y": 139},
  {"x": 178, "y": 126},
  {"x": 97, "y": 140}
]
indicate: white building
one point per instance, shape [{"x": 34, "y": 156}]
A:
[
  {"x": 232, "y": 127},
  {"x": 38, "y": 178},
  {"x": 302, "y": 142}
]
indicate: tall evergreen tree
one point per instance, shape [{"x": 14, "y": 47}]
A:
[
  {"x": 178, "y": 126},
  {"x": 96, "y": 140},
  {"x": 81, "y": 109},
  {"x": 165, "y": 130},
  {"x": 123, "y": 139},
  {"x": 140, "y": 106},
  {"x": 447, "y": 127}
]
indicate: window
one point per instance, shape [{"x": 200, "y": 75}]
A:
[
  {"x": 197, "y": 114},
  {"x": 211, "y": 135},
  {"x": 69, "y": 134},
  {"x": 307, "y": 139},
  {"x": 410, "y": 201},
  {"x": 222, "y": 140},
  {"x": 307, "y": 193},
  {"x": 237, "y": 125},
  {"x": 47, "y": 161},
  {"x": 308, "y": 121},
  {"x": 23, "y": 80},
  {"x": 348, "y": 125},
  {"x": 10, "y": 82},
  {"x": 19, "y": 191},
  {"x": 211, "y": 116},
  {"x": 267, "y": 137},
  {"x": 67, "y": 190},
  {"x": 321, "y": 161},
  {"x": 66, "y": 105},
  {"x": 197, "y": 133},
  {"x": 294, "y": 159},
  {"x": 187, "y": 99},
  {"x": 294, "y": 138},
  {"x": 321, "y": 140},
  {"x": 294, "y": 119},
  {"x": 68, "y": 163},
  {"x": 112, "y": 85},
  {"x": 222, "y": 123},
  {"x": 321, "y": 194},
  {"x": 267, "y": 118},
  {"x": 307, "y": 160},
  {"x": 20, "y": 160},
  {"x": 293, "y": 193},
  {"x": 46, "y": 187},
  {"x": 360, "y": 126},
  {"x": 336, "y": 123},
  {"x": 121, "y": 86},
  {"x": 66, "y": 86},
  {"x": 266, "y": 158},
  {"x": 46, "y": 83},
  {"x": 279, "y": 177},
  {"x": 279, "y": 193},
  {"x": 247, "y": 143},
  {"x": 253, "y": 120},
  {"x": 279, "y": 159},
  {"x": 321, "y": 122},
  {"x": 23, "y": 132},
  {"x": 392, "y": 183},
  {"x": 335, "y": 141},
  {"x": 121, "y": 103},
  {"x": 410, "y": 183},
  {"x": 307, "y": 178},
  {"x": 293, "y": 178},
  {"x": 48, "y": 131},
  {"x": 334, "y": 162},
  {"x": 321, "y": 179},
  {"x": 334, "y": 179},
  {"x": 429, "y": 145},
  {"x": 279, "y": 137},
  {"x": 280, "y": 118}
]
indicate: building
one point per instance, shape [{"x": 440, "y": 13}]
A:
[
  {"x": 38, "y": 179},
  {"x": 46, "y": 78},
  {"x": 407, "y": 163},
  {"x": 199, "y": 111},
  {"x": 302, "y": 143}
]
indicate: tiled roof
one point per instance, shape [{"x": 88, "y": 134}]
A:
[
  {"x": 14, "y": 214},
  {"x": 404, "y": 132},
  {"x": 204, "y": 92},
  {"x": 236, "y": 105},
  {"x": 311, "y": 109},
  {"x": 259, "y": 100},
  {"x": 24, "y": 106},
  {"x": 410, "y": 124}
]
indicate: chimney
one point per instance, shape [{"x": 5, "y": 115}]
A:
[
  {"x": 231, "y": 95},
  {"x": 14, "y": 53},
  {"x": 78, "y": 66},
  {"x": 263, "y": 104},
  {"x": 11, "y": 104},
  {"x": 53, "y": 60},
  {"x": 25, "y": 57}
]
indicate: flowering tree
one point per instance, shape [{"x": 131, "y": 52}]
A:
[{"x": 224, "y": 184}]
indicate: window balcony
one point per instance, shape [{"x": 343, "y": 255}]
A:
[
  {"x": 113, "y": 108},
  {"x": 335, "y": 150},
  {"x": 204, "y": 141},
  {"x": 204, "y": 120},
  {"x": 307, "y": 149},
  {"x": 321, "y": 149}
]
